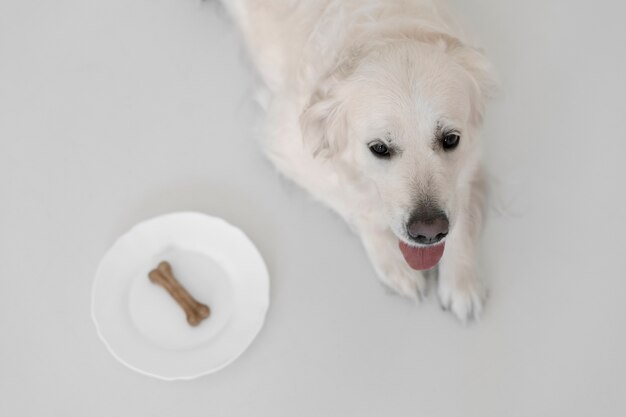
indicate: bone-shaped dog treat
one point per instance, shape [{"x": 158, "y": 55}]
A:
[{"x": 195, "y": 311}]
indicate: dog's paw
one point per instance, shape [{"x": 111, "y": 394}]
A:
[
  {"x": 404, "y": 280},
  {"x": 464, "y": 297}
]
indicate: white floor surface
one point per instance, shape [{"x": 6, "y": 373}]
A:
[{"x": 115, "y": 111}]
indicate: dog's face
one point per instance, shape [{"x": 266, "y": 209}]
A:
[{"x": 405, "y": 119}]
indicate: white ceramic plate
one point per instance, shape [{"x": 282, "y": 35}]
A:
[{"x": 140, "y": 322}]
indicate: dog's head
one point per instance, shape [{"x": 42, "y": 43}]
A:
[{"x": 404, "y": 117}]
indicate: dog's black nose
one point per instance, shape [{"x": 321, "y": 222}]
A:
[{"x": 428, "y": 227}]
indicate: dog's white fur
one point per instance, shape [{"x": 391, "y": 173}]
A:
[{"x": 342, "y": 73}]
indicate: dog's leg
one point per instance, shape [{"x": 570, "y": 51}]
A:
[
  {"x": 382, "y": 248},
  {"x": 460, "y": 288}
]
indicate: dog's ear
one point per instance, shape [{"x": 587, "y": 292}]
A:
[
  {"x": 482, "y": 74},
  {"x": 323, "y": 123}
]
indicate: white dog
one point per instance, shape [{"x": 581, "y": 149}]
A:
[{"x": 374, "y": 107}]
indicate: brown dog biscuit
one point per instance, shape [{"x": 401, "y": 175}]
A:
[{"x": 194, "y": 310}]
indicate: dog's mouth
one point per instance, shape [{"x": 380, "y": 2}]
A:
[{"x": 422, "y": 257}]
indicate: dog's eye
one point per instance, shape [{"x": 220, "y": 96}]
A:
[
  {"x": 450, "y": 141},
  {"x": 380, "y": 150}
]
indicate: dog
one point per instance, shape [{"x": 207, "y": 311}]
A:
[{"x": 375, "y": 108}]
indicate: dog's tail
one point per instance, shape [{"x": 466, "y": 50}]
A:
[{"x": 236, "y": 9}]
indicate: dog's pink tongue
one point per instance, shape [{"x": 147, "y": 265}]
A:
[{"x": 422, "y": 258}]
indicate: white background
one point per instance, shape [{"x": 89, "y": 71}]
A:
[{"x": 115, "y": 111}]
